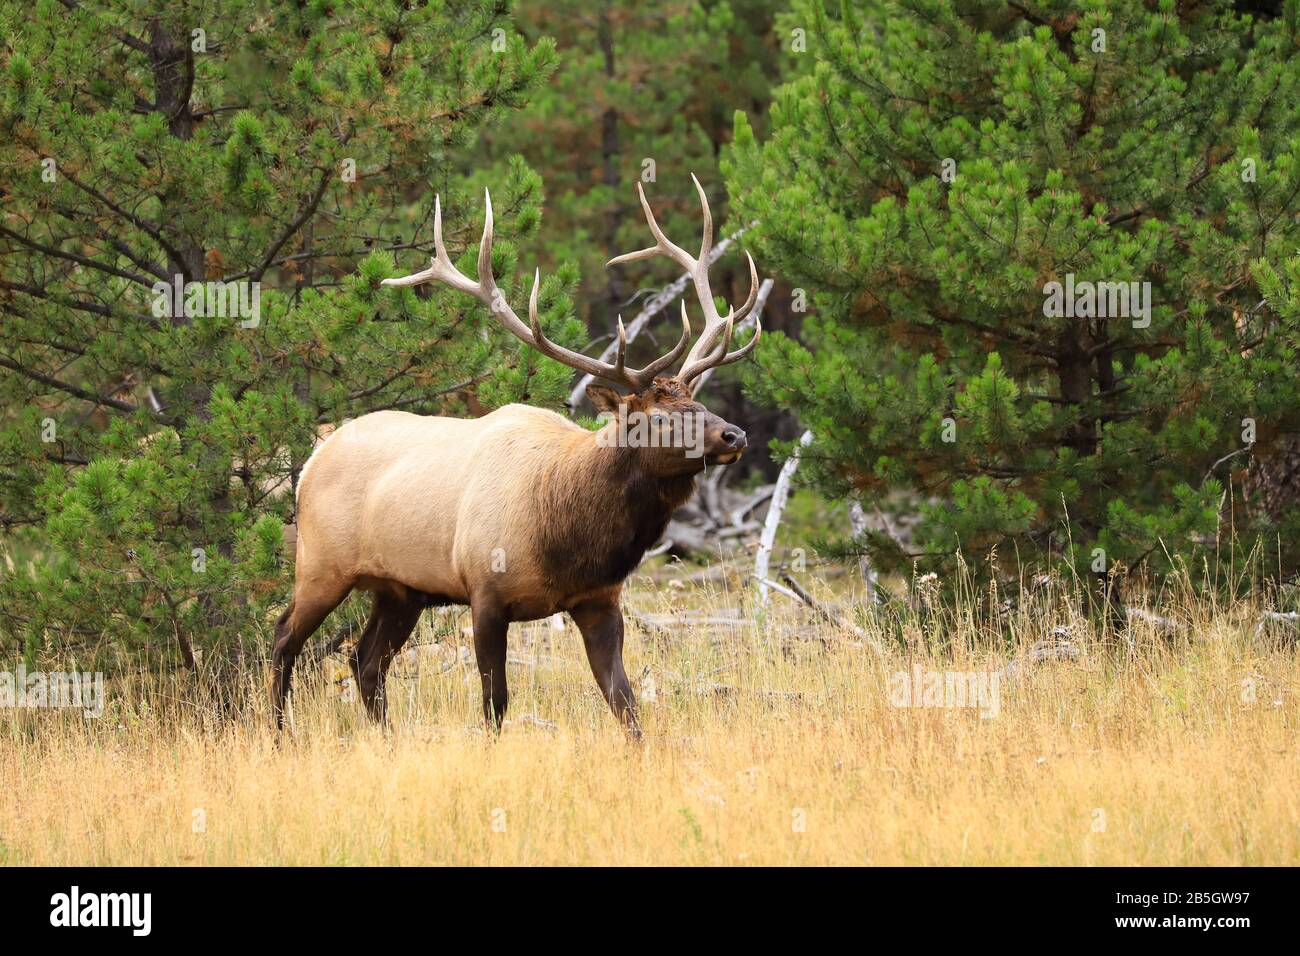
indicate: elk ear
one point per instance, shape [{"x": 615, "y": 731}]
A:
[{"x": 605, "y": 399}]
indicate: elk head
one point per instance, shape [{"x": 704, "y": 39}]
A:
[
  {"x": 657, "y": 411},
  {"x": 675, "y": 434}
]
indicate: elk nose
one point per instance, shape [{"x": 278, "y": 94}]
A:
[{"x": 734, "y": 437}]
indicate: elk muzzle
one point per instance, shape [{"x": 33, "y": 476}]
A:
[{"x": 724, "y": 443}]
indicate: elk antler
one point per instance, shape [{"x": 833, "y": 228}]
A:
[
  {"x": 707, "y": 352},
  {"x": 486, "y": 290}
]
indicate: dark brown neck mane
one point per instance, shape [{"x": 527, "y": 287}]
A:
[{"x": 601, "y": 511}]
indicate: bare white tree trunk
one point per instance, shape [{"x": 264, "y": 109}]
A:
[
  {"x": 858, "y": 522},
  {"x": 764, "y": 290},
  {"x": 780, "y": 496}
]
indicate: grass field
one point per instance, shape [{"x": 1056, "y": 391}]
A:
[{"x": 773, "y": 744}]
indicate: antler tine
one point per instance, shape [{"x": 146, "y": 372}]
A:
[
  {"x": 664, "y": 362},
  {"x": 545, "y": 345},
  {"x": 698, "y": 363},
  {"x": 621, "y": 358},
  {"x": 726, "y": 338},
  {"x": 706, "y": 243},
  {"x": 753, "y": 289},
  {"x": 440, "y": 267},
  {"x": 439, "y": 250},
  {"x": 533, "y": 323},
  {"x": 745, "y": 349},
  {"x": 663, "y": 245},
  {"x": 714, "y": 362},
  {"x": 485, "y": 278}
]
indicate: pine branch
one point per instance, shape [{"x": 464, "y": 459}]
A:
[{"x": 69, "y": 388}]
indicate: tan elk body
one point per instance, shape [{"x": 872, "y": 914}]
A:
[
  {"x": 436, "y": 505},
  {"x": 519, "y": 514}
]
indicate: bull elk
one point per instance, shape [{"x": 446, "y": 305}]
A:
[{"x": 521, "y": 513}]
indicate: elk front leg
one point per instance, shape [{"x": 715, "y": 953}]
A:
[
  {"x": 602, "y": 633},
  {"x": 490, "y": 629},
  {"x": 312, "y": 602}
]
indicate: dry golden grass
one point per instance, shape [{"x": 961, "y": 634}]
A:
[{"x": 1147, "y": 749}]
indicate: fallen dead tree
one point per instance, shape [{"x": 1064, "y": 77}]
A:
[{"x": 718, "y": 520}]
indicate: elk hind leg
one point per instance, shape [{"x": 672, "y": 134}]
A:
[{"x": 310, "y": 606}]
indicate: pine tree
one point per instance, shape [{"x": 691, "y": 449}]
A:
[
  {"x": 148, "y": 446},
  {"x": 934, "y": 168}
]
